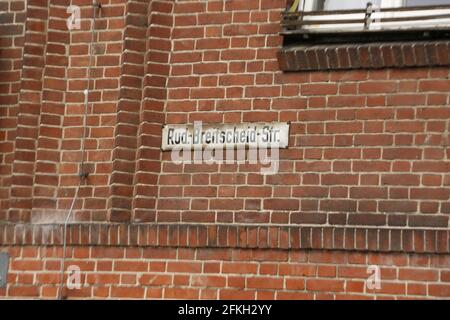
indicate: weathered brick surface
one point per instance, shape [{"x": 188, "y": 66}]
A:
[
  {"x": 188, "y": 273},
  {"x": 369, "y": 144},
  {"x": 365, "y": 179},
  {"x": 12, "y": 31}
]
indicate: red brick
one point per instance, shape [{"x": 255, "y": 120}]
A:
[{"x": 325, "y": 285}]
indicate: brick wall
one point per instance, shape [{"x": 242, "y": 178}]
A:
[
  {"x": 12, "y": 30},
  {"x": 365, "y": 179},
  {"x": 367, "y": 147},
  {"x": 154, "y": 273}
]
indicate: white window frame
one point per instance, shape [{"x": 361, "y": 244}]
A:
[{"x": 310, "y": 5}]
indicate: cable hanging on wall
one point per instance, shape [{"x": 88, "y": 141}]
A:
[{"x": 83, "y": 173}]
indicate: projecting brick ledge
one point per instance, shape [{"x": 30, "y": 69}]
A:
[
  {"x": 364, "y": 56},
  {"x": 231, "y": 236}
]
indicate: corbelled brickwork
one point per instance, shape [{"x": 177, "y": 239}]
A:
[
  {"x": 365, "y": 180},
  {"x": 359, "y": 56},
  {"x": 12, "y": 30}
]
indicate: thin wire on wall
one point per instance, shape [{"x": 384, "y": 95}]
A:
[{"x": 83, "y": 171}]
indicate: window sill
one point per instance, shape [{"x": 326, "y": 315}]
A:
[{"x": 374, "y": 55}]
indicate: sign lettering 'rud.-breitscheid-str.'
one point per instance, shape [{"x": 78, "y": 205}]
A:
[{"x": 245, "y": 135}]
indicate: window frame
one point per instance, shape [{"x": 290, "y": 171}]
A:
[
  {"x": 310, "y": 5},
  {"x": 391, "y": 16},
  {"x": 363, "y": 48}
]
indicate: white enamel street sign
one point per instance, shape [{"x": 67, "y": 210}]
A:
[{"x": 247, "y": 135}]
